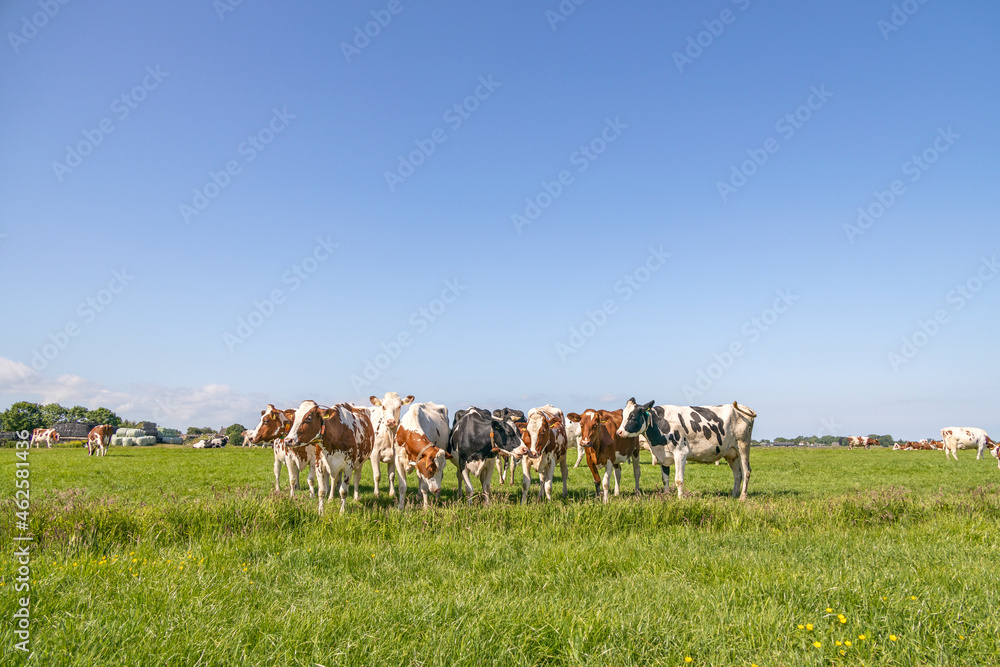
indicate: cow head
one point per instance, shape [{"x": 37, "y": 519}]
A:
[
  {"x": 506, "y": 438},
  {"x": 589, "y": 421},
  {"x": 635, "y": 419},
  {"x": 537, "y": 435},
  {"x": 391, "y": 404},
  {"x": 430, "y": 460},
  {"x": 273, "y": 425},
  {"x": 306, "y": 425}
]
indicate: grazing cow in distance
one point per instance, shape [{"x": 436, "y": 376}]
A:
[
  {"x": 861, "y": 441},
  {"x": 422, "y": 445},
  {"x": 606, "y": 449},
  {"x": 273, "y": 427},
  {"x": 384, "y": 415},
  {"x": 341, "y": 437},
  {"x": 955, "y": 438},
  {"x": 516, "y": 418},
  {"x": 98, "y": 440},
  {"x": 545, "y": 437},
  {"x": 995, "y": 453},
  {"x": 245, "y": 438},
  {"x": 702, "y": 434},
  {"x": 476, "y": 439},
  {"x": 46, "y": 435}
]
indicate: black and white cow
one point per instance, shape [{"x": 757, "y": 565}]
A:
[
  {"x": 517, "y": 419},
  {"x": 703, "y": 434},
  {"x": 476, "y": 438}
]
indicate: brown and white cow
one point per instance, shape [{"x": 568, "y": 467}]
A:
[
  {"x": 955, "y": 438},
  {"x": 995, "y": 453},
  {"x": 46, "y": 435},
  {"x": 98, "y": 440},
  {"x": 861, "y": 441},
  {"x": 545, "y": 440},
  {"x": 422, "y": 445},
  {"x": 342, "y": 438},
  {"x": 384, "y": 415},
  {"x": 245, "y": 438},
  {"x": 606, "y": 449},
  {"x": 273, "y": 427}
]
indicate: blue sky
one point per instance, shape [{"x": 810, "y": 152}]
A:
[{"x": 716, "y": 156}]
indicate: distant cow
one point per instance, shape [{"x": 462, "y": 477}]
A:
[
  {"x": 273, "y": 427},
  {"x": 516, "y": 418},
  {"x": 46, "y": 435},
  {"x": 861, "y": 441},
  {"x": 703, "y": 434},
  {"x": 98, "y": 439},
  {"x": 342, "y": 437},
  {"x": 245, "y": 438},
  {"x": 422, "y": 445},
  {"x": 219, "y": 441},
  {"x": 384, "y": 415},
  {"x": 995, "y": 453},
  {"x": 961, "y": 437},
  {"x": 545, "y": 438},
  {"x": 606, "y": 449},
  {"x": 476, "y": 439}
]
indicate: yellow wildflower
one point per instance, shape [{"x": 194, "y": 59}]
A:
[
  {"x": 817, "y": 645},
  {"x": 861, "y": 637},
  {"x": 801, "y": 627},
  {"x": 829, "y": 610},
  {"x": 688, "y": 658},
  {"x": 893, "y": 637},
  {"x": 847, "y": 642},
  {"x": 809, "y": 626}
]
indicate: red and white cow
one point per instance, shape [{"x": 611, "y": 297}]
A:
[
  {"x": 963, "y": 437},
  {"x": 422, "y": 445},
  {"x": 995, "y": 453},
  {"x": 861, "y": 441},
  {"x": 273, "y": 427},
  {"x": 98, "y": 439},
  {"x": 545, "y": 440},
  {"x": 341, "y": 438},
  {"x": 384, "y": 415},
  {"x": 606, "y": 449},
  {"x": 46, "y": 435}
]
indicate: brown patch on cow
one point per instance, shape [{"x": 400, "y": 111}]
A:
[
  {"x": 413, "y": 444},
  {"x": 336, "y": 436},
  {"x": 599, "y": 428}
]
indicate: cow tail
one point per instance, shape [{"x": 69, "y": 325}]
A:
[{"x": 744, "y": 410}]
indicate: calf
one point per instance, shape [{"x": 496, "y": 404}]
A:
[
  {"x": 274, "y": 425},
  {"x": 476, "y": 439},
  {"x": 46, "y": 435},
  {"x": 341, "y": 437},
  {"x": 422, "y": 445},
  {"x": 703, "y": 434},
  {"x": 606, "y": 449},
  {"x": 955, "y": 438},
  {"x": 545, "y": 438},
  {"x": 385, "y": 419},
  {"x": 98, "y": 440}
]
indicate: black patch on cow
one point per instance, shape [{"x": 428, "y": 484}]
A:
[
  {"x": 714, "y": 422},
  {"x": 653, "y": 433},
  {"x": 680, "y": 416},
  {"x": 597, "y": 488},
  {"x": 717, "y": 449},
  {"x": 665, "y": 470}
]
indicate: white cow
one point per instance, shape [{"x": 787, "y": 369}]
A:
[
  {"x": 545, "y": 437},
  {"x": 384, "y": 415},
  {"x": 422, "y": 445},
  {"x": 703, "y": 434},
  {"x": 46, "y": 435},
  {"x": 961, "y": 437}
]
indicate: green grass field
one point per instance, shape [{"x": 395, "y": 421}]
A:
[{"x": 174, "y": 556}]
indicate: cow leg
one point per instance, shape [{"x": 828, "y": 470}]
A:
[
  {"x": 401, "y": 474},
  {"x": 618, "y": 477},
  {"x": 292, "y": 464},
  {"x": 737, "y": 467},
  {"x": 635, "y": 472},
  {"x": 311, "y": 479},
  {"x": 510, "y": 472},
  {"x": 745, "y": 464},
  {"x": 550, "y": 471},
  {"x": 605, "y": 481},
  {"x": 679, "y": 463},
  {"x": 486, "y": 477},
  {"x": 525, "y": 479},
  {"x": 391, "y": 474},
  {"x": 665, "y": 475},
  {"x": 343, "y": 491},
  {"x": 579, "y": 454},
  {"x": 564, "y": 469},
  {"x": 423, "y": 491},
  {"x": 377, "y": 469},
  {"x": 460, "y": 477},
  {"x": 323, "y": 479},
  {"x": 357, "y": 480},
  {"x": 277, "y": 471},
  {"x": 465, "y": 484}
]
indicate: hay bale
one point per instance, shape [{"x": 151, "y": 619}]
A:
[
  {"x": 148, "y": 428},
  {"x": 145, "y": 440},
  {"x": 128, "y": 442},
  {"x": 173, "y": 440}
]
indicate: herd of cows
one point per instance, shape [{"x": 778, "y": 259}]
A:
[{"x": 335, "y": 442}]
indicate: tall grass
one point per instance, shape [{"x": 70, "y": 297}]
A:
[{"x": 176, "y": 557}]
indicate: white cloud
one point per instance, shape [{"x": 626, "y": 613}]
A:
[{"x": 179, "y": 407}]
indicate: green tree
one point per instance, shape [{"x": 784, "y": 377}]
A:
[
  {"x": 52, "y": 413},
  {"x": 77, "y": 413},
  {"x": 22, "y": 416},
  {"x": 235, "y": 433},
  {"x": 103, "y": 416}
]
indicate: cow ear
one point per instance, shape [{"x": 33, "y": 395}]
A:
[
  {"x": 375, "y": 400},
  {"x": 573, "y": 417},
  {"x": 262, "y": 412},
  {"x": 630, "y": 401},
  {"x": 408, "y": 399},
  {"x": 648, "y": 405}
]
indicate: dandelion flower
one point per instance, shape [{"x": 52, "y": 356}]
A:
[
  {"x": 861, "y": 637},
  {"x": 893, "y": 637},
  {"x": 817, "y": 645},
  {"x": 688, "y": 658},
  {"x": 847, "y": 642},
  {"x": 838, "y": 643},
  {"x": 913, "y": 597},
  {"x": 801, "y": 627},
  {"x": 842, "y": 620},
  {"x": 809, "y": 626},
  {"x": 829, "y": 610}
]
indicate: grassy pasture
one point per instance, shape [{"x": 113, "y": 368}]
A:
[{"x": 173, "y": 556}]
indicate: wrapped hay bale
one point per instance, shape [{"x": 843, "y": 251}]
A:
[
  {"x": 128, "y": 442},
  {"x": 148, "y": 428},
  {"x": 116, "y": 440},
  {"x": 173, "y": 440},
  {"x": 145, "y": 440},
  {"x": 121, "y": 433},
  {"x": 135, "y": 433},
  {"x": 168, "y": 432}
]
